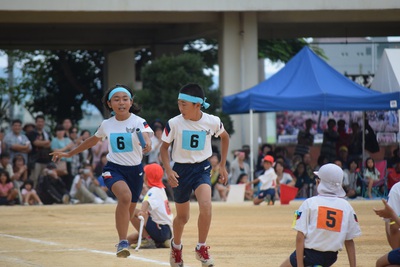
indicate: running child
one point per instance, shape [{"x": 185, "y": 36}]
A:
[
  {"x": 191, "y": 133},
  {"x": 123, "y": 173},
  {"x": 324, "y": 223}
]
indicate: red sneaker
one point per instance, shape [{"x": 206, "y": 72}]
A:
[
  {"x": 175, "y": 257},
  {"x": 203, "y": 256}
]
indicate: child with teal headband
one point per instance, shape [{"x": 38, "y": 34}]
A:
[
  {"x": 191, "y": 133},
  {"x": 123, "y": 173}
]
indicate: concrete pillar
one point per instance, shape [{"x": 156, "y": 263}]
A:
[
  {"x": 120, "y": 68},
  {"x": 239, "y": 69}
]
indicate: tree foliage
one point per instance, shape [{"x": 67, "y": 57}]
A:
[
  {"x": 60, "y": 81},
  {"x": 162, "y": 80}
]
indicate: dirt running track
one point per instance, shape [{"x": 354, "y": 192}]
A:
[{"x": 241, "y": 235}]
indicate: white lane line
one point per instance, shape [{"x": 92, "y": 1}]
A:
[{"x": 132, "y": 257}]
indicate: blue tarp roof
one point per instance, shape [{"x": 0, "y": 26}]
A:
[{"x": 308, "y": 83}]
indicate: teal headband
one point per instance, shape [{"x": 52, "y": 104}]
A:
[
  {"x": 119, "y": 89},
  {"x": 194, "y": 99}
]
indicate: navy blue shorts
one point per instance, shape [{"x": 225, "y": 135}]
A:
[
  {"x": 313, "y": 257},
  {"x": 158, "y": 232},
  {"x": 264, "y": 193},
  {"x": 131, "y": 175},
  {"x": 191, "y": 176},
  {"x": 394, "y": 256}
]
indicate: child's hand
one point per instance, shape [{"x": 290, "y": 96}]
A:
[
  {"x": 173, "y": 178},
  {"x": 223, "y": 175},
  {"x": 387, "y": 212}
]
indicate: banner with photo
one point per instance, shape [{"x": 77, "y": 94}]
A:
[{"x": 289, "y": 123}]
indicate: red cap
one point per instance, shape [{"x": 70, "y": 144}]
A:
[
  {"x": 269, "y": 158},
  {"x": 154, "y": 174}
]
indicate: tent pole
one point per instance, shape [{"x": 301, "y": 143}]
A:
[
  {"x": 363, "y": 138},
  {"x": 251, "y": 147}
]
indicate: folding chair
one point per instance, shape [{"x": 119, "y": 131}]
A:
[{"x": 380, "y": 188}]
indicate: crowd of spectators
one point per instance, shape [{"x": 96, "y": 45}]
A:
[{"x": 25, "y": 160}]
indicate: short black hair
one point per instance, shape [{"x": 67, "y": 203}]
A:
[{"x": 192, "y": 89}]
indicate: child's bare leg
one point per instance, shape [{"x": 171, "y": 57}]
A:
[
  {"x": 203, "y": 195},
  {"x": 181, "y": 218}
]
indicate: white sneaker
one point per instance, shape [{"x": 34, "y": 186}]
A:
[
  {"x": 98, "y": 200},
  {"x": 110, "y": 200}
]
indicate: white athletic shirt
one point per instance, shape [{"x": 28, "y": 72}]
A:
[
  {"x": 159, "y": 206},
  {"x": 123, "y": 143},
  {"x": 268, "y": 179},
  {"x": 192, "y": 139},
  {"x": 326, "y": 223},
  {"x": 394, "y": 198}
]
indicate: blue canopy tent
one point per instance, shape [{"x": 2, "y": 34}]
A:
[{"x": 307, "y": 83}]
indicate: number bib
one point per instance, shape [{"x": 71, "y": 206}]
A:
[
  {"x": 329, "y": 219},
  {"x": 193, "y": 140},
  {"x": 121, "y": 142}
]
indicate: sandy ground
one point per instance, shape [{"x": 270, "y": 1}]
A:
[{"x": 241, "y": 235}]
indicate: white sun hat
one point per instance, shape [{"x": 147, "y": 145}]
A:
[{"x": 331, "y": 177}]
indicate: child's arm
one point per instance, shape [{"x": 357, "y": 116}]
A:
[
  {"x": 171, "y": 174},
  {"x": 224, "y": 153},
  {"x": 392, "y": 227},
  {"x": 300, "y": 249},
  {"x": 88, "y": 143},
  {"x": 143, "y": 210},
  {"x": 351, "y": 252},
  {"x": 388, "y": 213}
]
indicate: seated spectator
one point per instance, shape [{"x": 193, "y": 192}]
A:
[
  {"x": 238, "y": 167},
  {"x": 103, "y": 186},
  {"x": 86, "y": 188},
  {"x": 51, "y": 188},
  {"x": 248, "y": 192},
  {"x": 343, "y": 155},
  {"x": 282, "y": 177},
  {"x": 20, "y": 170},
  {"x": 303, "y": 182},
  {"x": 29, "y": 194},
  {"x": 98, "y": 150},
  {"x": 98, "y": 170},
  {"x": 6, "y": 165},
  {"x": 8, "y": 194},
  {"x": 350, "y": 181},
  {"x": 371, "y": 174},
  {"x": 393, "y": 175},
  {"x": 267, "y": 183},
  {"x": 215, "y": 181},
  {"x": 394, "y": 159}
]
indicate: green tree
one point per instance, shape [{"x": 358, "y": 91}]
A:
[
  {"x": 162, "y": 80},
  {"x": 59, "y": 82}
]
